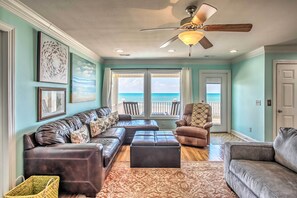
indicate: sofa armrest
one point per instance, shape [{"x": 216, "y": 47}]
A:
[
  {"x": 207, "y": 125},
  {"x": 125, "y": 117},
  {"x": 256, "y": 151},
  {"x": 80, "y": 166},
  {"x": 180, "y": 123}
]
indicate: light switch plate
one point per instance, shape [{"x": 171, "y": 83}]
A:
[{"x": 258, "y": 102}]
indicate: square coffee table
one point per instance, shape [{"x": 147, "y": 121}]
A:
[{"x": 154, "y": 149}]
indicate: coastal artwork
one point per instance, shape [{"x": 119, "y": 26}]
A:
[
  {"x": 51, "y": 102},
  {"x": 83, "y": 79},
  {"x": 52, "y": 60}
]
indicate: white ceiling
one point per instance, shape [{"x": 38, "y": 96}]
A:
[{"x": 106, "y": 25}]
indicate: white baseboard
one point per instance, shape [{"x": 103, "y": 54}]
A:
[{"x": 242, "y": 136}]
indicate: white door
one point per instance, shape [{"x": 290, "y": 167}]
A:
[
  {"x": 213, "y": 90},
  {"x": 286, "y": 91}
]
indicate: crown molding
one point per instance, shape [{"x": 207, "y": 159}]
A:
[
  {"x": 29, "y": 15},
  {"x": 249, "y": 55},
  {"x": 281, "y": 49},
  {"x": 163, "y": 61}
]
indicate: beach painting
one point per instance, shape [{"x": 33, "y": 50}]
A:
[{"x": 83, "y": 80}]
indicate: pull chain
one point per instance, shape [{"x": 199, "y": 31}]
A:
[{"x": 190, "y": 50}]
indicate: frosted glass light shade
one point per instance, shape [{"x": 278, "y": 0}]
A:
[{"x": 190, "y": 37}]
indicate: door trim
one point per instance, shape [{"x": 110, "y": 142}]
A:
[
  {"x": 228, "y": 72},
  {"x": 274, "y": 102},
  {"x": 9, "y": 138}
]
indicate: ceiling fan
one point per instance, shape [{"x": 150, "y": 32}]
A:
[{"x": 192, "y": 26}]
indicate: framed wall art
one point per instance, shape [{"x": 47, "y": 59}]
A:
[
  {"x": 53, "y": 58},
  {"x": 51, "y": 102},
  {"x": 83, "y": 79}
]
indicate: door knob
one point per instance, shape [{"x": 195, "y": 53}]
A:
[{"x": 279, "y": 111}]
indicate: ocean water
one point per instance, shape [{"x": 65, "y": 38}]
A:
[{"x": 162, "y": 97}]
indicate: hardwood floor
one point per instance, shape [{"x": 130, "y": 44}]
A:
[{"x": 213, "y": 152}]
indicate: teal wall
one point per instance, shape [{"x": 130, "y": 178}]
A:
[
  {"x": 247, "y": 87},
  {"x": 26, "y": 84},
  {"x": 269, "y": 58},
  {"x": 170, "y": 124}
]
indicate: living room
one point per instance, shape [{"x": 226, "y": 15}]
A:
[{"x": 236, "y": 72}]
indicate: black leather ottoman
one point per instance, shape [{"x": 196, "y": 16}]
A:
[{"x": 154, "y": 149}]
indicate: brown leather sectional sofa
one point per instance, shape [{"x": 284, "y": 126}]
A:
[{"x": 82, "y": 167}]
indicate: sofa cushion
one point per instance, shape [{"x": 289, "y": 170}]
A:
[
  {"x": 110, "y": 147},
  {"x": 118, "y": 133},
  {"x": 285, "y": 146},
  {"x": 87, "y": 116},
  {"x": 191, "y": 132},
  {"x": 57, "y": 131},
  {"x": 81, "y": 135},
  {"x": 266, "y": 179},
  {"x": 141, "y": 124},
  {"x": 103, "y": 112}
]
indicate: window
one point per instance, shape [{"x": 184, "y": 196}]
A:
[
  {"x": 149, "y": 93},
  {"x": 165, "y": 93},
  {"x": 213, "y": 97}
]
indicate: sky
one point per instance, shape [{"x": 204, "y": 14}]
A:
[{"x": 159, "y": 85}]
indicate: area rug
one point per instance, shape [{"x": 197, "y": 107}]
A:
[{"x": 193, "y": 179}]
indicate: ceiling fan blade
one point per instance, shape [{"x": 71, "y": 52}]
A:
[
  {"x": 169, "y": 41},
  {"x": 228, "y": 27},
  {"x": 156, "y": 29},
  {"x": 204, "y": 13},
  {"x": 205, "y": 43}
]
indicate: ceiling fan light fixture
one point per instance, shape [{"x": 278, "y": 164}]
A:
[{"x": 190, "y": 37}]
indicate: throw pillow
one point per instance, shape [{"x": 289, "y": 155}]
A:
[
  {"x": 116, "y": 116},
  {"x": 97, "y": 126},
  {"x": 107, "y": 122},
  {"x": 199, "y": 114},
  {"x": 80, "y": 136},
  {"x": 285, "y": 147},
  {"x": 111, "y": 119}
]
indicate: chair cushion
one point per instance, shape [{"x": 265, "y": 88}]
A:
[
  {"x": 285, "y": 146},
  {"x": 266, "y": 179},
  {"x": 110, "y": 147},
  {"x": 199, "y": 115},
  {"x": 190, "y": 131},
  {"x": 118, "y": 133}
]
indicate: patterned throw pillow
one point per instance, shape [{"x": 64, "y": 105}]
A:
[
  {"x": 111, "y": 119},
  {"x": 97, "y": 126},
  {"x": 115, "y": 116},
  {"x": 80, "y": 136},
  {"x": 107, "y": 122},
  {"x": 199, "y": 114}
]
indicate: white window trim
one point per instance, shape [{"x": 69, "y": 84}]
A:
[
  {"x": 229, "y": 110},
  {"x": 8, "y": 138}
]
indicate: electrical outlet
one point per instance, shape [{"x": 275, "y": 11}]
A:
[{"x": 250, "y": 129}]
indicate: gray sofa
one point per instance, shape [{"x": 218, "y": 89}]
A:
[{"x": 267, "y": 170}]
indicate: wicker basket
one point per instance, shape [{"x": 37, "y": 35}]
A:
[{"x": 36, "y": 187}]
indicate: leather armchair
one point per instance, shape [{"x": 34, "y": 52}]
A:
[{"x": 192, "y": 135}]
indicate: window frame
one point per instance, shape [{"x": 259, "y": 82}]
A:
[{"x": 147, "y": 90}]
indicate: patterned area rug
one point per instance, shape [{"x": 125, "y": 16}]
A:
[{"x": 193, "y": 179}]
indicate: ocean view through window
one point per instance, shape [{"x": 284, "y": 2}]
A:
[{"x": 146, "y": 93}]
